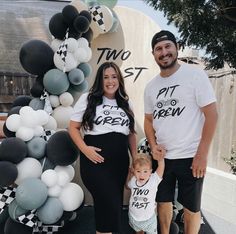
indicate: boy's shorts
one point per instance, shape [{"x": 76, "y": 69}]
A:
[
  {"x": 149, "y": 226},
  {"x": 189, "y": 187}
]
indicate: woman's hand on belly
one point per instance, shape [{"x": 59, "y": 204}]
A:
[{"x": 92, "y": 154}]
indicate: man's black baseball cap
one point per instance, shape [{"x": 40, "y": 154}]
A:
[{"x": 162, "y": 36}]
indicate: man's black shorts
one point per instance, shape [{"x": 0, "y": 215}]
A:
[{"x": 189, "y": 187}]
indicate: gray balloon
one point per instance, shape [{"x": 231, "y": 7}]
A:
[
  {"x": 37, "y": 104},
  {"x": 51, "y": 211},
  {"x": 36, "y": 147},
  {"x": 15, "y": 210}
]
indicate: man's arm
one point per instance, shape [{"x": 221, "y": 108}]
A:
[
  {"x": 200, "y": 159},
  {"x": 158, "y": 151}
]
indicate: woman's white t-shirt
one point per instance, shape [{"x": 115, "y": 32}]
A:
[{"x": 109, "y": 117}]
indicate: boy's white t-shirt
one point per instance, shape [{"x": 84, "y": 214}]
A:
[
  {"x": 142, "y": 203},
  {"x": 175, "y": 104},
  {"x": 109, "y": 117}
]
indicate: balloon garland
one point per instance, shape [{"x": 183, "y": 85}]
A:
[{"x": 37, "y": 155}]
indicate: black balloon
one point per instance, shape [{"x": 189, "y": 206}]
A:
[
  {"x": 37, "y": 88},
  {"x": 8, "y": 173},
  {"x": 22, "y": 100},
  {"x": 88, "y": 35},
  {"x": 12, "y": 227},
  {"x": 69, "y": 13},
  {"x": 13, "y": 149},
  {"x": 87, "y": 15},
  {"x": 36, "y": 57},
  {"x": 58, "y": 26},
  {"x": 73, "y": 33},
  {"x": 81, "y": 24},
  {"x": 14, "y": 110},
  {"x": 61, "y": 150},
  {"x": 7, "y": 132}
]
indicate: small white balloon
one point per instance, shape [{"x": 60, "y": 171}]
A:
[
  {"x": 13, "y": 122},
  {"x": 29, "y": 118},
  {"x": 72, "y": 45},
  {"x": 49, "y": 177},
  {"x": 38, "y": 131},
  {"x": 25, "y": 109},
  {"x": 55, "y": 44},
  {"x": 68, "y": 169},
  {"x": 54, "y": 100},
  {"x": 25, "y": 133},
  {"x": 51, "y": 124},
  {"x": 66, "y": 99},
  {"x": 63, "y": 178},
  {"x": 54, "y": 191},
  {"x": 43, "y": 117},
  {"x": 83, "y": 42}
]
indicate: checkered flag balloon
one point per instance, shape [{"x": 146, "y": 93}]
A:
[
  {"x": 29, "y": 218},
  {"x": 47, "y": 104},
  {"x": 46, "y": 229},
  {"x": 7, "y": 195},
  {"x": 97, "y": 15},
  {"x": 62, "y": 50},
  {"x": 144, "y": 147},
  {"x": 47, "y": 134}
]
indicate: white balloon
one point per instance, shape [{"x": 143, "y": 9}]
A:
[
  {"x": 49, "y": 177},
  {"x": 28, "y": 168},
  {"x": 68, "y": 169},
  {"x": 51, "y": 124},
  {"x": 81, "y": 55},
  {"x": 13, "y": 122},
  {"x": 70, "y": 62},
  {"x": 54, "y": 100},
  {"x": 43, "y": 117},
  {"x": 55, "y": 44},
  {"x": 89, "y": 54},
  {"x": 54, "y": 191},
  {"x": 62, "y": 115},
  {"x": 29, "y": 118},
  {"x": 25, "y": 109},
  {"x": 75, "y": 194},
  {"x": 66, "y": 99},
  {"x": 72, "y": 45},
  {"x": 63, "y": 178},
  {"x": 25, "y": 133},
  {"x": 83, "y": 42},
  {"x": 38, "y": 131}
]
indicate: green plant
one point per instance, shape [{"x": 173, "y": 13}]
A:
[{"x": 232, "y": 161}]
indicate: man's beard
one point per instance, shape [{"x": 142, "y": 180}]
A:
[{"x": 172, "y": 64}]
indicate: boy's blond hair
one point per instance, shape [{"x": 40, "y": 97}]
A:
[{"x": 142, "y": 159}]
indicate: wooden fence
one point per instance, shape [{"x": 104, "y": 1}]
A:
[{"x": 13, "y": 85}]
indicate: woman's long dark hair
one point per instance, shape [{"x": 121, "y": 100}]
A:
[{"x": 95, "y": 97}]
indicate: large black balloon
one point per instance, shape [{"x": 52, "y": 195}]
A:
[
  {"x": 69, "y": 13},
  {"x": 8, "y": 173},
  {"x": 61, "y": 150},
  {"x": 13, "y": 149},
  {"x": 12, "y": 227},
  {"x": 22, "y": 100},
  {"x": 7, "y": 132},
  {"x": 58, "y": 26},
  {"x": 36, "y": 57}
]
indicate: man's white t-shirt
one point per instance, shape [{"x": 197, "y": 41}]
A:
[
  {"x": 142, "y": 202},
  {"x": 175, "y": 103},
  {"x": 109, "y": 117}
]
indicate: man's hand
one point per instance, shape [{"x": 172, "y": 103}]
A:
[
  {"x": 199, "y": 166},
  {"x": 158, "y": 152}
]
